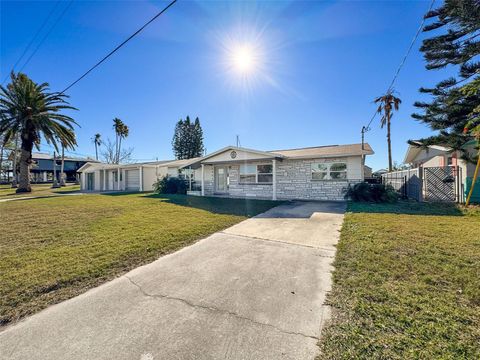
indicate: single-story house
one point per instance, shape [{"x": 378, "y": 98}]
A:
[
  {"x": 312, "y": 173},
  {"x": 128, "y": 177},
  {"x": 440, "y": 156}
]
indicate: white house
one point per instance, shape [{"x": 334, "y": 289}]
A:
[
  {"x": 440, "y": 156},
  {"x": 313, "y": 173}
]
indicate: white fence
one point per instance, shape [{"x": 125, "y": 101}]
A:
[{"x": 407, "y": 182}]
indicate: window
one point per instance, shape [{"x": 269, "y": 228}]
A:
[
  {"x": 264, "y": 173},
  {"x": 329, "y": 171},
  {"x": 338, "y": 171},
  {"x": 248, "y": 173},
  {"x": 261, "y": 174},
  {"x": 319, "y": 171}
]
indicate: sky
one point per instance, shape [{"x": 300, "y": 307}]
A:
[{"x": 314, "y": 69}]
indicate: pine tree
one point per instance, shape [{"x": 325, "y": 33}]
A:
[
  {"x": 187, "y": 139},
  {"x": 457, "y": 45}
]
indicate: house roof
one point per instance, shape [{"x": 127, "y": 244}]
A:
[
  {"x": 326, "y": 151},
  {"x": 414, "y": 150},
  {"x": 182, "y": 163}
]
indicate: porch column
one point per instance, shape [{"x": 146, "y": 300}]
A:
[
  {"x": 274, "y": 179},
  {"x": 104, "y": 179},
  {"x": 141, "y": 177},
  {"x": 203, "y": 180},
  {"x": 45, "y": 178},
  {"x": 118, "y": 178},
  {"x": 82, "y": 181}
]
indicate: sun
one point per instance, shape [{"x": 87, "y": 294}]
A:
[{"x": 244, "y": 60}]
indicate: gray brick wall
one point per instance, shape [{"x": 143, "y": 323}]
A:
[{"x": 294, "y": 181}]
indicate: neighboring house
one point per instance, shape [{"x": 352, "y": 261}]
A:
[
  {"x": 42, "y": 170},
  {"x": 438, "y": 158},
  {"x": 314, "y": 173},
  {"x": 379, "y": 172},
  {"x": 367, "y": 172},
  {"x": 128, "y": 177}
]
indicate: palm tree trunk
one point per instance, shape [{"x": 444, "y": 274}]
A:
[
  {"x": 96, "y": 151},
  {"x": 1, "y": 159},
  {"x": 119, "y": 148},
  {"x": 116, "y": 149},
  {"x": 62, "y": 174},
  {"x": 14, "y": 163},
  {"x": 389, "y": 141},
  {"x": 25, "y": 161}
]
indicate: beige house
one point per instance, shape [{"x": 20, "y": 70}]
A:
[
  {"x": 313, "y": 173},
  {"x": 127, "y": 177},
  {"x": 440, "y": 156}
]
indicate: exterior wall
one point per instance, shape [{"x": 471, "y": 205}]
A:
[
  {"x": 237, "y": 189},
  {"x": 294, "y": 179}
]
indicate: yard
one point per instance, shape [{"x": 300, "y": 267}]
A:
[
  {"x": 406, "y": 284},
  {"x": 7, "y": 192},
  {"x": 52, "y": 249}
]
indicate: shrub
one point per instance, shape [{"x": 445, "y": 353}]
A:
[
  {"x": 371, "y": 193},
  {"x": 170, "y": 185}
]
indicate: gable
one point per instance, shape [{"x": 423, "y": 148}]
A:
[{"x": 237, "y": 154}]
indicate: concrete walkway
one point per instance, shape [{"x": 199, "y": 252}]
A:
[{"x": 253, "y": 291}]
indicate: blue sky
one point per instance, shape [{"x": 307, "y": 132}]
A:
[{"x": 319, "y": 66}]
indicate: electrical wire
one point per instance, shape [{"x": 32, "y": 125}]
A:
[
  {"x": 46, "y": 35},
  {"x": 402, "y": 63},
  {"x": 40, "y": 29},
  {"x": 119, "y": 46}
]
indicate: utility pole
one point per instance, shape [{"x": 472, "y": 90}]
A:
[
  {"x": 62, "y": 174},
  {"x": 55, "y": 183},
  {"x": 364, "y": 129}
]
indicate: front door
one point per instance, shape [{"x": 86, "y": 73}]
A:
[
  {"x": 221, "y": 179},
  {"x": 90, "y": 181}
]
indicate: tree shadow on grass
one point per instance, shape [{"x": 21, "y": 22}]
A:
[
  {"x": 407, "y": 208},
  {"x": 218, "y": 205}
]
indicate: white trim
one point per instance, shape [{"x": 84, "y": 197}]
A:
[
  {"x": 274, "y": 184},
  {"x": 203, "y": 180}
]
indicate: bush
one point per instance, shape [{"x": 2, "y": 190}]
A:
[
  {"x": 371, "y": 193},
  {"x": 170, "y": 185}
]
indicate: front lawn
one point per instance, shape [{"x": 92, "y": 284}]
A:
[
  {"x": 406, "y": 284},
  {"x": 52, "y": 249},
  {"x": 7, "y": 192}
]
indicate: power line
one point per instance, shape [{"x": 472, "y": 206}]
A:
[
  {"x": 46, "y": 35},
  {"x": 119, "y": 46},
  {"x": 40, "y": 29},
  {"x": 402, "y": 63}
]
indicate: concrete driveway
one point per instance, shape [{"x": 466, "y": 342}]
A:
[{"x": 253, "y": 291}]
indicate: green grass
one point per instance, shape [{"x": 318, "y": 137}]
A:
[
  {"x": 52, "y": 249},
  {"x": 406, "y": 284},
  {"x": 6, "y": 191}
]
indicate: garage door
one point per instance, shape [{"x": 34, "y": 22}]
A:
[{"x": 133, "y": 180}]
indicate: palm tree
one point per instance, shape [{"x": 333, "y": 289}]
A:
[
  {"x": 30, "y": 110},
  {"x": 97, "y": 141},
  {"x": 123, "y": 134},
  {"x": 117, "y": 126},
  {"x": 387, "y": 103}
]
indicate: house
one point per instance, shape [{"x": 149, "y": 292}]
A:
[
  {"x": 440, "y": 156},
  {"x": 437, "y": 157},
  {"x": 312, "y": 173},
  {"x": 129, "y": 177},
  {"x": 42, "y": 168}
]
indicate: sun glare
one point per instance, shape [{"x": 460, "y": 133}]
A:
[{"x": 243, "y": 59}]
